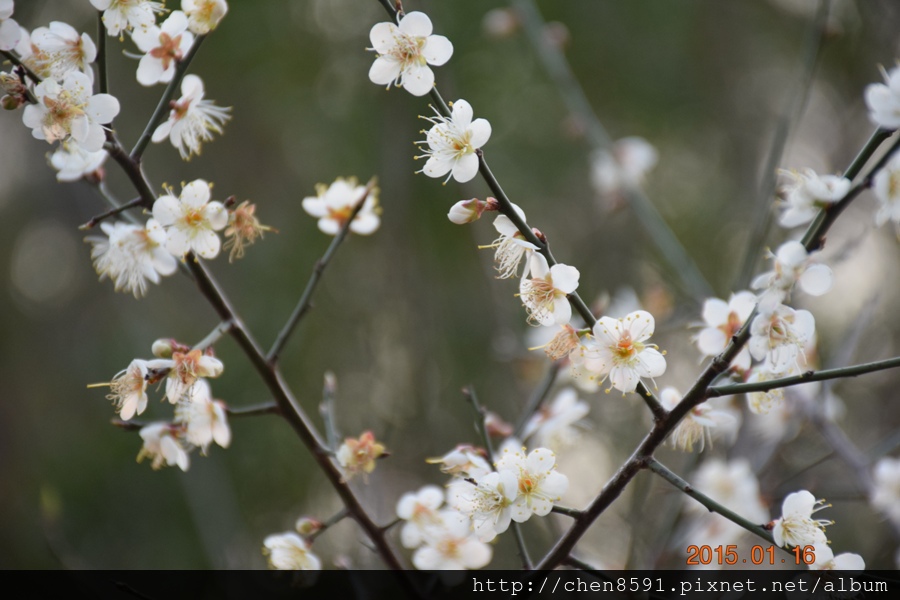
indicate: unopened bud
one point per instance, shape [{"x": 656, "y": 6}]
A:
[
  {"x": 307, "y": 526},
  {"x": 496, "y": 426},
  {"x": 466, "y": 211},
  {"x": 163, "y": 348}
]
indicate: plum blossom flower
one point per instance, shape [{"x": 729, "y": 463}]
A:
[
  {"x": 69, "y": 111},
  {"x": 359, "y": 455},
  {"x": 132, "y": 255},
  {"x": 204, "y": 15},
  {"x": 14, "y": 92},
  {"x": 451, "y": 546},
  {"x": 191, "y": 220},
  {"x": 122, "y": 15},
  {"x": 161, "y": 445},
  {"x": 243, "y": 229},
  {"x": 544, "y": 293},
  {"x": 62, "y": 49},
  {"x": 405, "y": 51},
  {"x": 489, "y": 503},
  {"x": 886, "y": 488},
  {"x": 420, "y": 511},
  {"x": 185, "y": 370},
  {"x": 539, "y": 483},
  {"x": 621, "y": 353},
  {"x": 10, "y": 32},
  {"x": 827, "y": 561},
  {"x": 510, "y": 247},
  {"x": 467, "y": 211},
  {"x": 552, "y": 425},
  {"x": 128, "y": 389},
  {"x": 463, "y": 461},
  {"x": 808, "y": 192},
  {"x": 779, "y": 338},
  {"x": 204, "y": 419},
  {"x": 333, "y": 205},
  {"x": 721, "y": 321},
  {"x": 163, "y": 48},
  {"x": 792, "y": 264},
  {"x": 290, "y": 552},
  {"x": 703, "y": 422},
  {"x": 452, "y": 143},
  {"x": 72, "y": 162},
  {"x": 883, "y": 100},
  {"x": 886, "y": 187},
  {"x": 624, "y": 166},
  {"x": 796, "y": 527},
  {"x": 192, "y": 119},
  {"x": 761, "y": 403}
]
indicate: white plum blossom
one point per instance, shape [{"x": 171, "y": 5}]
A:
[
  {"x": 792, "y": 264},
  {"x": 796, "y": 527},
  {"x": 405, "y": 51},
  {"x": 489, "y": 503},
  {"x": 624, "y": 166},
  {"x": 163, "y": 48},
  {"x": 463, "y": 461},
  {"x": 162, "y": 447},
  {"x": 420, "y": 511},
  {"x": 702, "y": 423},
  {"x": 553, "y": 425},
  {"x": 883, "y": 100},
  {"x": 204, "y": 15},
  {"x": 827, "y": 561},
  {"x": 128, "y": 389},
  {"x": 779, "y": 338},
  {"x": 132, "y": 255},
  {"x": 544, "y": 292},
  {"x": 290, "y": 552},
  {"x": 70, "y": 110},
  {"x": 10, "y": 33},
  {"x": 452, "y": 143},
  {"x": 191, "y": 220},
  {"x": 192, "y": 119},
  {"x": 761, "y": 403},
  {"x": 621, "y": 353},
  {"x": 333, "y": 204},
  {"x": 204, "y": 419},
  {"x": 467, "y": 211},
  {"x": 721, "y": 322},
  {"x": 185, "y": 370},
  {"x": 511, "y": 246},
  {"x": 72, "y": 162},
  {"x": 539, "y": 483},
  {"x": 122, "y": 15},
  {"x": 885, "y": 494},
  {"x": 452, "y": 546},
  {"x": 807, "y": 193},
  {"x": 61, "y": 49},
  {"x": 886, "y": 187}
]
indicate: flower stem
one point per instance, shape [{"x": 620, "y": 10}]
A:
[
  {"x": 569, "y": 512},
  {"x": 163, "y": 107},
  {"x": 103, "y": 76},
  {"x": 214, "y": 336},
  {"x": 303, "y": 305},
  {"x": 263, "y": 408}
]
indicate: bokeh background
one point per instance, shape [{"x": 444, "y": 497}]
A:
[{"x": 407, "y": 317}]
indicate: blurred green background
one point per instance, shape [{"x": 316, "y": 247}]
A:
[{"x": 409, "y": 316}]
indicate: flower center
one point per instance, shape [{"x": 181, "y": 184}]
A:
[
  {"x": 626, "y": 348},
  {"x": 168, "y": 49},
  {"x": 60, "y": 113}
]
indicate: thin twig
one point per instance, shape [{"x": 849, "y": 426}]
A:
[
  {"x": 103, "y": 76},
  {"x": 303, "y": 304},
  {"x": 11, "y": 56},
  {"x": 538, "y": 396},
  {"x": 335, "y": 519},
  {"x": 263, "y": 408},
  {"x": 563, "y": 510},
  {"x": 111, "y": 213},
  {"x": 326, "y": 409},
  {"x": 826, "y": 374},
  {"x": 214, "y": 336}
]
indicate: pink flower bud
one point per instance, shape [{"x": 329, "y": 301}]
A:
[{"x": 466, "y": 211}]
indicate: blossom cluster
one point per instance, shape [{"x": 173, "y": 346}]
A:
[{"x": 199, "y": 418}]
